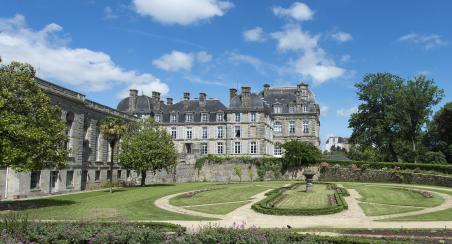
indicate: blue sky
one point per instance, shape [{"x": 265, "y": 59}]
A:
[{"x": 102, "y": 48}]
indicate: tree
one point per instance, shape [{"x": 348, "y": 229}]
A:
[
  {"x": 434, "y": 157},
  {"x": 298, "y": 153},
  {"x": 31, "y": 129},
  {"x": 238, "y": 172},
  {"x": 414, "y": 105},
  {"x": 439, "y": 136},
  {"x": 112, "y": 129},
  {"x": 146, "y": 146},
  {"x": 374, "y": 125}
]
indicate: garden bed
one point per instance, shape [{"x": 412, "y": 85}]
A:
[{"x": 326, "y": 199}]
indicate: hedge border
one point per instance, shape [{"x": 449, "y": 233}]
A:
[
  {"x": 442, "y": 168},
  {"x": 264, "y": 207}
]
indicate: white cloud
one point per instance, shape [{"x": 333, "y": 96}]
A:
[
  {"x": 182, "y": 12},
  {"x": 178, "y": 61},
  {"x": 298, "y": 11},
  {"x": 313, "y": 62},
  {"x": 203, "y": 57},
  {"x": 53, "y": 59},
  {"x": 342, "y": 36},
  {"x": 346, "y": 112},
  {"x": 345, "y": 58},
  {"x": 324, "y": 110},
  {"x": 426, "y": 41},
  {"x": 294, "y": 38},
  {"x": 254, "y": 35},
  {"x": 242, "y": 58},
  {"x": 109, "y": 14}
]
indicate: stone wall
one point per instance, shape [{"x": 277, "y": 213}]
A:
[{"x": 348, "y": 174}]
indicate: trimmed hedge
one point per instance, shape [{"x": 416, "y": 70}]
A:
[
  {"x": 265, "y": 206},
  {"x": 441, "y": 168}
]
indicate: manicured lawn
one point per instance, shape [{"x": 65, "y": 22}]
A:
[
  {"x": 218, "y": 208},
  {"x": 396, "y": 196},
  {"x": 371, "y": 209},
  {"x": 444, "y": 215},
  {"x": 133, "y": 203},
  {"x": 298, "y": 198},
  {"x": 220, "y": 193}
]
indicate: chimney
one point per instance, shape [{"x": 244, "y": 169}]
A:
[
  {"x": 202, "y": 99},
  {"x": 186, "y": 96},
  {"x": 232, "y": 93},
  {"x": 133, "y": 93},
  {"x": 266, "y": 89},
  {"x": 169, "y": 101},
  {"x": 156, "y": 96},
  {"x": 246, "y": 96}
]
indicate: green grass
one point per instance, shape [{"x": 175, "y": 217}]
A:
[
  {"x": 298, "y": 198},
  {"x": 218, "y": 208},
  {"x": 396, "y": 196},
  {"x": 443, "y": 215},
  {"x": 221, "y": 193},
  {"x": 134, "y": 203},
  {"x": 371, "y": 209}
]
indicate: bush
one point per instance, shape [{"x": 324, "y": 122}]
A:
[{"x": 435, "y": 157}]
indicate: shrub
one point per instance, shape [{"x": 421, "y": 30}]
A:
[
  {"x": 238, "y": 171},
  {"x": 435, "y": 157},
  {"x": 324, "y": 166}
]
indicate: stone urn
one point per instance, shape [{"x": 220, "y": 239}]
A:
[{"x": 309, "y": 176}]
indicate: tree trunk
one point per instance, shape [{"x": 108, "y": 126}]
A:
[
  {"x": 111, "y": 166},
  {"x": 143, "y": 177},
  {"x": 414, "y": 149}
]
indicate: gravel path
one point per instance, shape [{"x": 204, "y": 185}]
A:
[{"x": 353, "y": 217}]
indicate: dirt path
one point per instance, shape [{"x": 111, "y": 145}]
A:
[{"x": 353, "y": 217}]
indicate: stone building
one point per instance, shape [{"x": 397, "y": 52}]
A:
[
  {"x": 88, "y": 166},
  {"x": 338, "y": 142},
  {"x": 254, "y": 124}
]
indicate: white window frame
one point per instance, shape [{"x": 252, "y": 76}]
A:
[
  {"x": 173, "y": 132},
  {"x": 239, "y": 129},
  {"x": 305, "y": 108},
  {"x": 291, "y": 108},
  {"x": 220, "y": 148},
  {"x": 220, "y": 132},
  {"x": 237, "y": 147},
  {"x": 291, "y": 127},
  {"x": 188, "y": 117},
  {"x": 277, "y": 109},
  {"x": 253, "y": 116},
  {"x": 253, "y": 147},
  {"x": 204, "y": 132},
  {"x": 220, "y": 117},
  {"x": 277, "y": 127},
  {"x": 237, "y": 117},
  {"x": 204, "y": 117},
  {"x": 305, "y": 126},
  {"x": 158, "y": 118},
  {"x": 173, "y": 118},
  {"x": 204, "y": 148},
  {"x": 188, "y": 133},
  {"x": 277, "y": 150}
]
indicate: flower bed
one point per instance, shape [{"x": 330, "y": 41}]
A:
[{"x": 268, "y": 205}]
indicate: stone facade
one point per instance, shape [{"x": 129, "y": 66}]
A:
[{"x": 88, "y": 166}]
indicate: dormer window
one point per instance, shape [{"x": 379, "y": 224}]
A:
[
  {"x": 173, "y": 118},
  {"x": 291, "y": 108},
  {"x": 189, "y": 117},
  {"x": 305, "y": 108},
  {"x": 253, "y": 116},
  {"x": 237, "y": 117},
  {"x": 158, "y": 118},
  {"x": 220, "y": 117},
  {"x": 204, "y": 117},
  {"x": 277, "y": 109}
]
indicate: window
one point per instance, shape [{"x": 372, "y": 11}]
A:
[
  {"x": 277, "y": 128},
  {"x": 292, "y": 127},
  {"x": 204, "y": 132},
  {"x": 220, "y": 116},
  {"x": 253, "y": 147},
  {"x": 53, "y": 179},
  {"x": 35, "y": 178},
  {"x": 237, "y": 131},
  {"x": 253, "y": 116},
  {"x": 292, "y": 108},
  {"x": 220, "y": 132},
  {"x": 277, "y": 109},
  {"x": 158, "y": 118},
  {"x": 97, "y": 175},
  {"x": 237, "y": 117},
  {"x": 108, "y": 174},
  {"x": 173, "y": 132},
  {"x": 119, "y": 174},
  {"x": 204, "y": 148},
  {"x": 188, "y": 117},
  {"x": 99, "y": 145},
  {"x": 204, "y": 117},
  {"x": 188, "y": 148},
  {"x": 277, "y": 149},
  {"x": 173, "y": 118},
  {"x": 220, "y": 147},
  {"x": 237, "y": 147},
  {"x": 128, "y": 174},
  {"x": 305, "y": 126},
  {"x": 189, "y": 133},
  {"x": 69, "y": 178},
  {"x": 305, "y": 108}
]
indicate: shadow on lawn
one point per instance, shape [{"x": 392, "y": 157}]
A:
[{"x": 32, "y": 204}]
